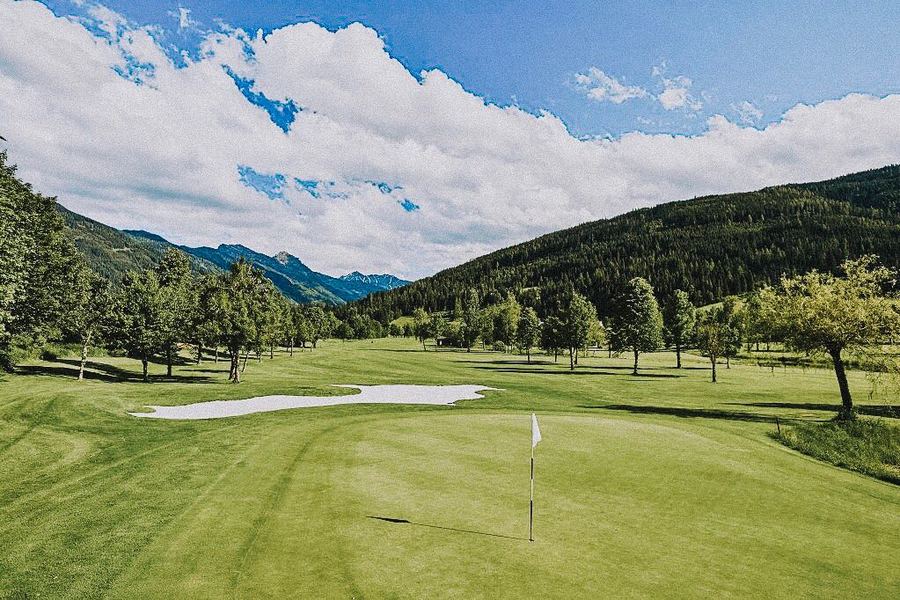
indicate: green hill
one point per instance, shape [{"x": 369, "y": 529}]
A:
[
  {"x": 712, "y": 246},
  {"x": 112, "y": 253}
]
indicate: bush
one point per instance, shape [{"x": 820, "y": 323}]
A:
[{"x": 870, "y": 446}]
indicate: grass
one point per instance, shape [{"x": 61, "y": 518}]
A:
[
  {"x": 865, "y": 445},
  {"x": 658, "y": 485}
]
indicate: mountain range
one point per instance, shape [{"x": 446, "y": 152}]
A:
[
  {"x": 711, "y": 247},
  {"x": 112, "y": 252}
]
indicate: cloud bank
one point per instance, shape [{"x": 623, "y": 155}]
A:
[{"x": 321, "y": 144}]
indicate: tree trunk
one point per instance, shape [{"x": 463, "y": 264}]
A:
[
  {"x": 169, "y": 361},
  {"x": 712, "y": 359},
  {"x": 635, "y": 372},
  {"x": 246, "y": 358},
  {"x": 576, "y": 356},
  {"x": 571, "y": 359},
  {"x": 271, "y": 350},
  {"x": 235, "y": 376},
  {"x": 217, "y": 353},
  {"x": 846, "y": 411},
  {"x": 292, "y": 346},
  {"x": 199, "y": 352},
  {"x": 84, "y": 351},
  {"x": 528, "y": 354},
  {"x": 677, "y": 356},
  {"x": 727, "y": 361},
  {"x": 424, "y": 349},
  {"x": 145, "y": 368}
]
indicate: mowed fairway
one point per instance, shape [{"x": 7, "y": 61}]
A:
[{"x": 657, "y": 485}]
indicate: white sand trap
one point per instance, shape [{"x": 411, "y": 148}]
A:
[{"x": 368, "y": 394}]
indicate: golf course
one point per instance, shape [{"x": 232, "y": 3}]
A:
[{"x": 661, "y": 484}]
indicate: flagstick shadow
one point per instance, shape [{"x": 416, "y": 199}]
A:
[{"x": 472, "y": 531}]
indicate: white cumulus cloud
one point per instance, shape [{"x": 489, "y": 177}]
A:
[
  {"x": 599, "y": 86},
  {"x": 97, "y": 114},
  {"x": 747, "y": 112},
  {"x": 184, "y": 18},
  {"x": 677, "y": 94},
  {"x": 676, "y": 90}
]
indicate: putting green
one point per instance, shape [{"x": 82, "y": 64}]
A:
[{"x": 663, "y": 485}]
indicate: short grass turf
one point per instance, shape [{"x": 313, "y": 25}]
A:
[{"x": 658, "y": 485}]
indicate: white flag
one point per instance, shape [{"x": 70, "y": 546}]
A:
[{"x": 535, "y": 431}]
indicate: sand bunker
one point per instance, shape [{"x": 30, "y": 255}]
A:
[{"x": 368, "y": 394}]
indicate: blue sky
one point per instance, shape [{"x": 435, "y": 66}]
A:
[{"x": 410, "y": 137}]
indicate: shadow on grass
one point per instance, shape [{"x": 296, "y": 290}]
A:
[
  {"x": 560, "y": 371},
  {"x": 68, "y": 368},
  {"x": 884, "y": 410},
  {"x": 66, "y": 373},
  {"x": 566, "y": 371},
  {"x": 454, "y": 529},
  {"x": 403, "y": 350},
  {"x": 690, "y": 413},
  {"x": 509, "y": 361}
]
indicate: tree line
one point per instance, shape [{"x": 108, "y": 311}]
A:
[{"x": 854, "y": 312}]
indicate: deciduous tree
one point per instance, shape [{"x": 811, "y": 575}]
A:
[
  {"x": 680, "y": 320},
  {"x": 142, "y": 326},
  {"x": 638, "y": 327},
  {"x": 178, "y": 300},
  {"x": 421, "y": 324},
  {"x": 711, "y": 335},
  {"x": 528, "y": 332},
  {"x": 472, "y": 325},
  {"x": 89, "y": 313},
  {"x": 576, "y": 318},
  {"x": 821, "y": 312}
]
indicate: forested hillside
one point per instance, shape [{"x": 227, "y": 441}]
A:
[
  {"x": 712, "y": 246},
  {"x": 111, "y": 253}
]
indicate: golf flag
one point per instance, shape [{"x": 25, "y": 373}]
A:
[{"x": 535, "y": 438}]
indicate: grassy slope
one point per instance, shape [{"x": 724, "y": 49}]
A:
[{"x": 656, "y": 485}]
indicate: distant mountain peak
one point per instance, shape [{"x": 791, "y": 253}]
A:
[{"x": 383, "y": 281}]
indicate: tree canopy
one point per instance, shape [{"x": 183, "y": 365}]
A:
[
  {"x": 638, "y": 325},
  {"x": 855, "y": 311}
]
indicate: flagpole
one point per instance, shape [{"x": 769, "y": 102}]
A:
[
  {"x": 531, "y": 501},
  {"x": 535, "y": 438}
]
